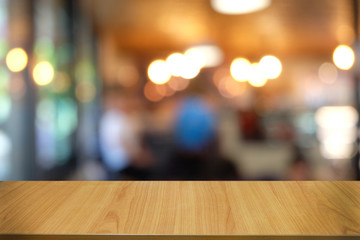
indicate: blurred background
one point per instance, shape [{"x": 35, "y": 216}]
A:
[{"x": 179, "y": 90}]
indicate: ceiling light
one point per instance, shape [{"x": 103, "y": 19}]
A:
[{"x": 239, "y": 6}]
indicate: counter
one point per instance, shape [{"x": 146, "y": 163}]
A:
[{"x": 179, "y": 210}]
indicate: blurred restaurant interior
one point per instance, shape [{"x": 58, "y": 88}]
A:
[{"x": 179, "y": 90}]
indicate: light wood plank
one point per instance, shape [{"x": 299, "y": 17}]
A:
[{"x": 180, "y": 208}]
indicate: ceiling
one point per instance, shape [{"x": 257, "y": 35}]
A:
[{"x": 286, "y": 28}]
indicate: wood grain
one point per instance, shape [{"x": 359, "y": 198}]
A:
[{"x": 179, "y": 208}]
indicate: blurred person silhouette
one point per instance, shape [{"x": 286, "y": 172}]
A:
[
  {"x": 141, "y": 164},
  {"x": 112, "y": 131},
  {"x": 196, "y": 154},
  {"x": 118, "y": 138}
]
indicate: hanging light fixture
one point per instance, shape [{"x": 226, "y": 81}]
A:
[{"x": 239, "y": 6}]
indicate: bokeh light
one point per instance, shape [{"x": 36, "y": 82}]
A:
[
  {"x": 337, "y": 135},
  {"x": 197, "y": 56},
  {"x": 175, "y": 63},
  {"x": 190, "y": 68},
  {"x": 169, "y": 91},
  {"x": 185, "y": 66},
  {"x": 61, "y": 82},
  {"x": 270, "y": 66},
  {"x": 43, "y": 73},
  {"x": 165, "y": 90},
  {"x": 336, "y": 131},
  {"x": 205, "y": 55},
  {"x": 334, "y": 116},
  {"x": 239, "y": 6},
  {"x": 328, "y": 73},
  {"x": 336, "y": 151},
  {"x": 178, "y": 84},
  {"x": 344, "y": 57},
  {"x": 158, "y": 72},
  {"x": 16, "y": 59},
  {"x": 160, "y": 89},
  {"x": 240, "y": 69},
  {"x": 152, "y": 93},
  {"x": 229, "y": 88},
  {"x": 256, "y": 77},
  {"x": 85, "y": 91}
]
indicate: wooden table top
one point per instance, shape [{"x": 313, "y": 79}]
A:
[{"x": 179, "y": 208}]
